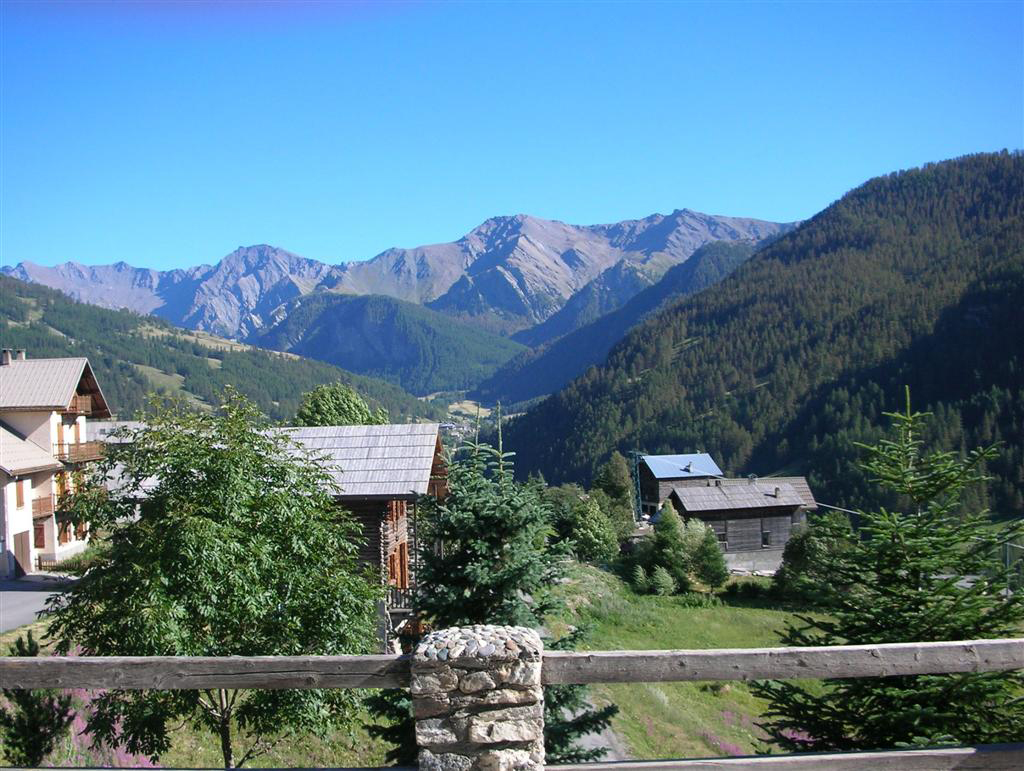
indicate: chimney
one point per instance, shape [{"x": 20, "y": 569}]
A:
[
  {"x": 19, "y": 354},
  {"x": 5, "y": 357},
  {"x": 777, "y": 492}
]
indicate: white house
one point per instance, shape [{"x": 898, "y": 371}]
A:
[{"x": 44, "y": 405}]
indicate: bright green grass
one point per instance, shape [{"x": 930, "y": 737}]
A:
[{"x": 674, "y": 720}]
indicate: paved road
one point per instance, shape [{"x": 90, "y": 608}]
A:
[{"x": 22, "y": 599}]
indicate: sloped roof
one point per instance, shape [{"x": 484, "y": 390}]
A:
[
  {"x": 698, "y": 464},
  {"x": 738, "y": 494},
  {"x": 18, "y": 455},
  {"x": 46, "y": 384},
  {"x": 374, "y": 461},
  {"x": 799, "y": 484}
]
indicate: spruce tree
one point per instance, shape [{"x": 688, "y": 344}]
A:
[
  {"x": 668, "y": 547},
  {"x": 709, "y": 562},
  {"x": 926, "y": 573},
  {"x": 32, "y": 721},
  {"x": 497, "y": 565}
]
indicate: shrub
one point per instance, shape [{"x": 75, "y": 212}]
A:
[
  {"x": 662, "y": 582},
  {"x": 641, "y": 583}
]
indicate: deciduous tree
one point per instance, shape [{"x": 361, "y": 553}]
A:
[
  {"x": 336, "y": 404},
  {"x": 222, "y": 539}
]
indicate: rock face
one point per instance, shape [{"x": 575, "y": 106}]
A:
[
  {"x": 508, "y": 274},
  {"x": 478, "y": 700}
]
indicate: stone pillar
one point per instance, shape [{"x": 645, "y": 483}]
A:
[{"x": 478, "y": 701}]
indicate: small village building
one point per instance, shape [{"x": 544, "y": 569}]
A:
[
  {"x": 753, "y": 518},
  {"x": 45, "y": 406},
  {"x": 380, "y": 472},
  {"x": 657, "y": 475}
]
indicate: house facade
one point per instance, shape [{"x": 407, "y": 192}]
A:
[{"x": 44, "y": 408}]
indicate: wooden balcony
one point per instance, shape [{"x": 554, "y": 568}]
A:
[
  {"x": 44, "y": 506},
  {"x": 81, "y": 404},
  {"x": 79, "y": 452}
]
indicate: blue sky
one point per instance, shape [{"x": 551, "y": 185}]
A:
[{"x": 168, "y": 134}]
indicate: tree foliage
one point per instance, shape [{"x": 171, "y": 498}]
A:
[
  {"x": 336, "y": 404},
  {"x": 580, "y": 523},
  {"x": 221, "y": 538},
  {"x": 926, "y": 572},
  {"x": 32, "y": 721}
]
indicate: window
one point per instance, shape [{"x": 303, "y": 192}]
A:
[
  {"x": 39, "y": 534},
  {"x": 65, "y": 532},
  {"x": 19, "y": 493},
  {"x": 766, "y": 538},
  {"x": 723, "y": 540}
]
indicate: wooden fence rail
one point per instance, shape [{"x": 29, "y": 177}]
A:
[{"x": 392, "y": 671}]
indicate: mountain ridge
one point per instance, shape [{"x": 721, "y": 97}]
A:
[{"x": 507, "y": 274}]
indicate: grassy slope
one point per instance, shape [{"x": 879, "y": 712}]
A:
[{"x": 674, "y": 720}]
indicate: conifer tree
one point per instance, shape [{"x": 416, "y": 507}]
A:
[
  {"x": 497, "y": 565},
  {"x": 709, "y": 562},
  {"x": 668, "y": 547},
  {"x": 925, "y": 573}
]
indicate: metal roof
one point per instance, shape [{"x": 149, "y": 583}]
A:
[
  {"x": 45, "y": 384},
  {"x": 736, "y": 494},
  {"x": 698, "y": 464},
  {"x": 19, "y": 455},
  {"x": 374, "y": 461}
]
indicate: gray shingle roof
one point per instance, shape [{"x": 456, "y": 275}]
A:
[
  {"x": 698, "y": 464},
  {"x": 799, "y": 484},
  {"x": 18, "y": 455},
  {"x": 739, "y": 494},
  {"x": 44, "y": 384},
  {"x": 374, "y": 461}
]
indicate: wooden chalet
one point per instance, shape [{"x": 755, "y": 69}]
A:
[{"x": 381, "y": 471}]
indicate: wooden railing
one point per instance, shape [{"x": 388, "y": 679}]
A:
[
  {"x": 401, "y": 599},
  {"x": 81, "y": 404},
  {"x": 44, "y": 506},
  {"x": 393, "y": 671},
  {"x": 79, "y": 452}
]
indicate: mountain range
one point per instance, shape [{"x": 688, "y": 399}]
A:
[{"x": 507, "y": 275}]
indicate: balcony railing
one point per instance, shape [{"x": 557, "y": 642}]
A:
[
  {"x": 44, "y": 506},
  {"x": 79, "y": 452},
  {"x": 81, "y": 404}
]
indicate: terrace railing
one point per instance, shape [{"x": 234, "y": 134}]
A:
[
  {"x": 476, "y": 703},
  {"x": 44, "y": 506},
  {"x": 81, "y": 404},
  {"x": 79, "y": 452}
]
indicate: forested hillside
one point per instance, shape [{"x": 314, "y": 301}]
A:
[
  {"x": 913, "y": 278},
  {"x": 406, "y": 344},
  {"x": 135, "y": 355},
  {"x": 545, "y": 370}
]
